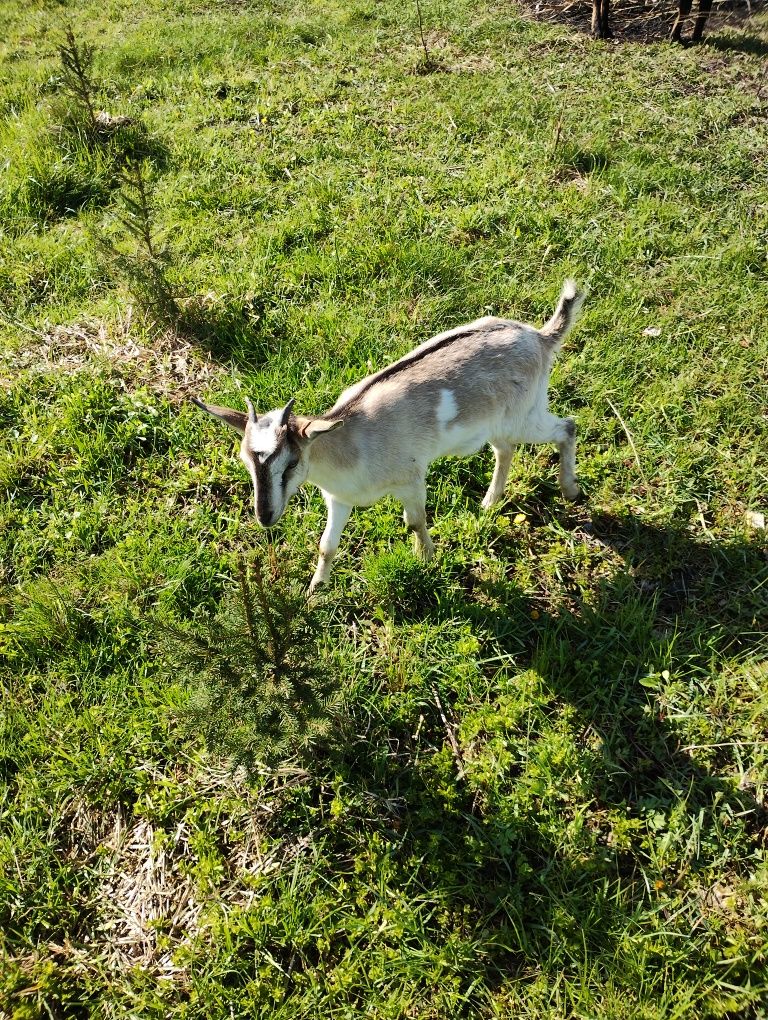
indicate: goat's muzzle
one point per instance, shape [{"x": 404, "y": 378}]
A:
[{"x": 268, "y": 518}]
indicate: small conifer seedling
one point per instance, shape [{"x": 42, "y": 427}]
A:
[{"x": 263, "y": 691}]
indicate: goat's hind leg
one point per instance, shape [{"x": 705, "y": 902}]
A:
[
  {"x": 601, "y": 26},
  {"x": 503, "y": 451},
  {"x": 566, "y": 475},
  {"x": 683, "y": 10},
  {"x": 415, "y": 517},
  {"x": 562, "y": 431}
]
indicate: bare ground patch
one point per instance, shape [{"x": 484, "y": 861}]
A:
[
  {"x": 638, "y": 21},
  {"x": 151, "y": 897}
]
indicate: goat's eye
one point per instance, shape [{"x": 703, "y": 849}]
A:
[{"x": 289, "y": 467}]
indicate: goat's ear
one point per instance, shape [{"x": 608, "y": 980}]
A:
[
  {"x": 235, "y": 419},
  {"x": 311, "y": 428}
]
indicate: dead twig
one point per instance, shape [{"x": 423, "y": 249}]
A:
[
  {"x": 450, "y": 733},
  {"x": 628, "y": 434}
]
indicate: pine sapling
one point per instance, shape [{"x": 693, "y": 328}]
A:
[
  {"x": 77, "y": 64},
  {"x": 428, "y": 64},
  {"x": 144, "y": 265},
  {"x": 263, "y": 690}
]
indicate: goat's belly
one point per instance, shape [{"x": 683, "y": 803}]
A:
[
  {"x": 363, "y": 496},
  {"x": 461, "y": 442}
]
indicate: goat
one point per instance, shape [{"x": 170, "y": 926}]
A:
[{"x": 485, "y": 382}]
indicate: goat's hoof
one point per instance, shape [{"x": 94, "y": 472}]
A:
[
  {"x": 572, "y": 493},
  {"x": 424, "y": 552}
]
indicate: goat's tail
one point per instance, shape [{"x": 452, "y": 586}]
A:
[{"x": 565, "y": 315}]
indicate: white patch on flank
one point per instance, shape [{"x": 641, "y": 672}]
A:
[{"x": 447, "y": 409}]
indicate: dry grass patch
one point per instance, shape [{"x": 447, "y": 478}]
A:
[{"x": 167, "y": 366}]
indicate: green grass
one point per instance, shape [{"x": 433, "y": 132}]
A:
[{"x": 548, "y": 795}]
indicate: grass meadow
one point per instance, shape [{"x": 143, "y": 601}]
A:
[{"x": 532, "y": 781}]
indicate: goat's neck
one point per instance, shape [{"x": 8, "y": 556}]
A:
[{"x": 331, "y": 456}]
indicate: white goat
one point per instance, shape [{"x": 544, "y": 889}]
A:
[{"x": 485, "y": 382}]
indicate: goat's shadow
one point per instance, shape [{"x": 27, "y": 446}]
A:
[{"x": 668, "y": 598}]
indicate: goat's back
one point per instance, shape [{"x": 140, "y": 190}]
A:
[{"x": 485, "y": 364}]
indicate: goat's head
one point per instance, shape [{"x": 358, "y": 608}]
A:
[{"x": 275, "y": 449}]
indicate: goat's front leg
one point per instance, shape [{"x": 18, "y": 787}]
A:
[
  {"x": 495, "y": 491},
  {"x": 338, "y": 515},
  {"x": 415, "y": 517}
]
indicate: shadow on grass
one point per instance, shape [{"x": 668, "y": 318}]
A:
[
  {"x": 82, "y": 170},
  {"x": 539, "y": 899},
  {"x": 582, "y": 161},
  {"x": 235, "y": 329},
  {"x": 741, "y": 43}
]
